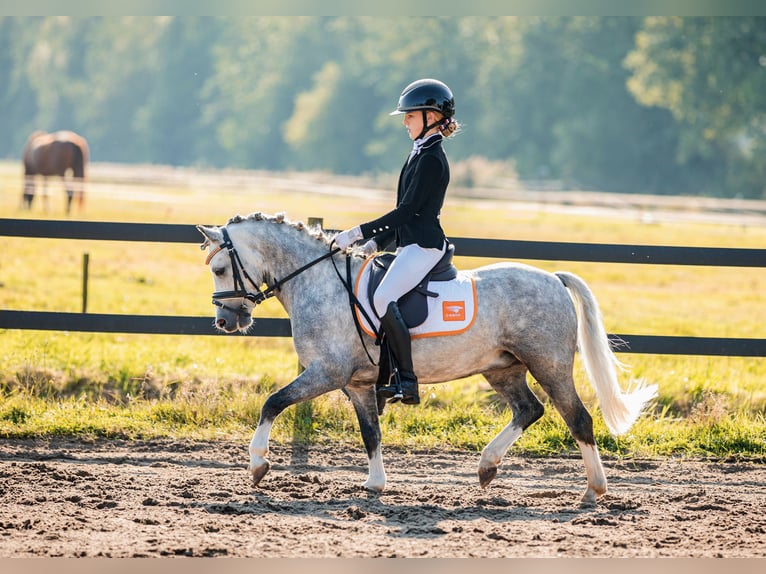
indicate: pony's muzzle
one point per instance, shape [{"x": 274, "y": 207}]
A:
[{"x": 231, "y": 318}]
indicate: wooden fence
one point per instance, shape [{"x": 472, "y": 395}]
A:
[{"x": 465, "y": 246}]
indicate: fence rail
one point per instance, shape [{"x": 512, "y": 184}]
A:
[
  {"x": 470, "y": 247},
  {"x": 465, "y": 246}
]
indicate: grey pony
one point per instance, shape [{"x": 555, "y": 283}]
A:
[{"x": 527, "y": 321}]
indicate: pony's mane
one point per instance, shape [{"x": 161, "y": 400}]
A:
[{"x": 314, "y": 231}]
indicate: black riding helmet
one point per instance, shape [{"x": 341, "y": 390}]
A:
[{"x": 426, "y": 94}]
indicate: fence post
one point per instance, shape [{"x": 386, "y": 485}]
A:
[{"x": 85, "y": 265}]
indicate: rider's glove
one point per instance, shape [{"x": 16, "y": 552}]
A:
[{"x": 346, "y": 238}]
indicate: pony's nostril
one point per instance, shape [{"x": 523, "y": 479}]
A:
[{"x": 220, "y": 323}]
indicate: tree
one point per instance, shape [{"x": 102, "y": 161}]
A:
[
  {"x": 603, "y": 138},
  {"x": 170, "y": 118},
  {"x": 260, "y": 66},
  {"x": 663, "y": 105},
  {"x": 343, "y": 120},
  {"x": 121, "y": 65},
  {"x": 556, "y": 103},
  {"x": 709, "y": 73},
  {"x": 16, "y": 95}
]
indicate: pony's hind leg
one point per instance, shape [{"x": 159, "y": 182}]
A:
[
  {"x": 564, "y": 397},
  {"x": 366, "y": 407},
  {"x": 511, "y": 384}
]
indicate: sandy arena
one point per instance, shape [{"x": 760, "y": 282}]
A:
[{"x": 66, "y": 497}]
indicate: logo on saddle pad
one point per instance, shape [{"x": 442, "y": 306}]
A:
[
  {"x": 438, "y": 308},
  {"x": 453, "y": 310}
]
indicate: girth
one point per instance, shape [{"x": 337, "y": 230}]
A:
[{"x": 414, "y": 304}]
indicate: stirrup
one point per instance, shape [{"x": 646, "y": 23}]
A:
[
  {"x": 393, "y": 390},
  {"x": 391, "y": 395}
]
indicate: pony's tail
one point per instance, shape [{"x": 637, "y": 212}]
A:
[{"x": 620, "y": 410}]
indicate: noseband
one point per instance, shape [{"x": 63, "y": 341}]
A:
[{"x": 238, "y": 271}]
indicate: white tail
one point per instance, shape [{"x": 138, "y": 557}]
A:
[{"x": 620, "y": 410}]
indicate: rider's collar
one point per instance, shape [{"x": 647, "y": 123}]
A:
[{"x": 424, "y": 143}]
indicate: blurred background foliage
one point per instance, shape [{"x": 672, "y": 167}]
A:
[{"x": 659, "y": 105}]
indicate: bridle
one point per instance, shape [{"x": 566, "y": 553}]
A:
[
  {"x": 256, "y": 297},
  {"x": 240, "y": 274}
]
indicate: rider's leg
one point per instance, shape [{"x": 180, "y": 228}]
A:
[
  {"x": 408, "y": 269},
  {"x": 398, "y": 337}
]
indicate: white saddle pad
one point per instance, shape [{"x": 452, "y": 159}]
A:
[{"x": 451, "y": 313}]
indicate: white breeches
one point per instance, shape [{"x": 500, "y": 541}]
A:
[{"x": 408, "y": 269}]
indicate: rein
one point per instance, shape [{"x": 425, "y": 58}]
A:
[
  {"x": 238, "y": 271},
  {"x": 355, "y": 304}
]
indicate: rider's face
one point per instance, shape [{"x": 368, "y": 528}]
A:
[{"x": 413, "y": 122}]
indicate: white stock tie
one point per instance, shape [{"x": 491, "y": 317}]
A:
[{"x": 416, "y": 145}]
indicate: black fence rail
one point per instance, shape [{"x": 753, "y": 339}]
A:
[
  {"x": 464, "y": 246},
  {"x": 469, "y": 247}
]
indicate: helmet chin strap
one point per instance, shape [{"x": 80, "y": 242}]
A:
[{"x": 426, "y": 128}]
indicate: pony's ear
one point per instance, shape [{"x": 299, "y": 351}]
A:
[{"x": 211, "y": 235}]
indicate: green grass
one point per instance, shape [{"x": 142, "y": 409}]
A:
[{"x": 119, "y": 385}]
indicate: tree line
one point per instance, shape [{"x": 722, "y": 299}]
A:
[{"x": 663, "y": 105}]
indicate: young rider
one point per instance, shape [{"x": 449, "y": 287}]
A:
[{"x": 428, "y": 107}]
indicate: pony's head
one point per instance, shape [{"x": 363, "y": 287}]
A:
[
  {"x": 233, "y": 295},
  {"x": 260, "y": 248}
]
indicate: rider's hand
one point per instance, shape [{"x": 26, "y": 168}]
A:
[
  {"x": 346, "y": 238},
  {"x": 369, "y": 248}
]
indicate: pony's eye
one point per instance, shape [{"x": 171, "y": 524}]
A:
[{"x": 219, "y": 271}]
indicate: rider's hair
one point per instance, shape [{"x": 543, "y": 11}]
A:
[{"x": 449, "y": 127}]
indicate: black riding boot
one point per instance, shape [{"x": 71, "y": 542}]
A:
[{"x": 399, "y": 343}]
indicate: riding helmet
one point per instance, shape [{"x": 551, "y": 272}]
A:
[{"x": 426, "y": 94}]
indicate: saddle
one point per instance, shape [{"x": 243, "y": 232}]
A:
[{"x": 414, "y": 304}]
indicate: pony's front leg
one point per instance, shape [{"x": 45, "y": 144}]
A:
[
  {"x": 366, "y": 406},
  {"x": 311, "y": 383},
  {"x": 259, "y": 449}
]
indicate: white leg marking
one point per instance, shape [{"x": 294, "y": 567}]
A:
[
  {"x": 594, "y": 470},
  {"x": 494, "y": 452},
  {"x": 259, "y": 447},
  {"x": 498, "y": 446},
  {"x": 376, "y": 481}
]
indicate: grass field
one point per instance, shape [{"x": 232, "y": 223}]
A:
[{"x": 142, "y": 385}]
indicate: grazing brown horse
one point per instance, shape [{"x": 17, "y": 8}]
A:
[{"x": 55, "y": 154}]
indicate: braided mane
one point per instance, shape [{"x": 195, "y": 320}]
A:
[{"x": 313, "y": 231}]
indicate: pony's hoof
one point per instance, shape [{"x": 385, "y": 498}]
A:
[
  {"x": 259, "y": 472},
  {"x": 486, "y": 475},
  {"x": 372, "y": 487},
  {"x": 590, "y": 497}
]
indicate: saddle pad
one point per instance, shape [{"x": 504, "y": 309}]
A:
[{"x": 451, "y": 313}]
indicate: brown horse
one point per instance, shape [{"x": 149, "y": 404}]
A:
[{"x": 55, "y": 154}]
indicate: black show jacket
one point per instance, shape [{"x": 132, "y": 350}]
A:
[{"x": 419, "y": 199}]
